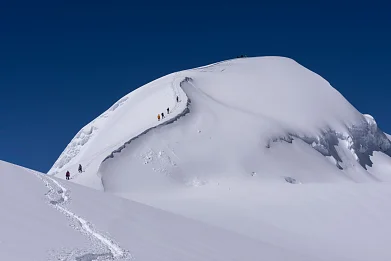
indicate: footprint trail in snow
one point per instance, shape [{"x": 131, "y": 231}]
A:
[{"x": 60, "y": 192}]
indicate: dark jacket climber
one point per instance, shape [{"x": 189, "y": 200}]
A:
[
  {"x": 162, "y": 115},
  {"x": 177, "y": 99},
  {"x": 168, "y": 110},
  {"x": 67, "y": 175},
  {"x": 80, "y": 169}
]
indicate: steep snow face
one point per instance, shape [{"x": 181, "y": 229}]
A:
[
  {"x": 128, "y": 117},
  {"x": 46, "y": 219}
]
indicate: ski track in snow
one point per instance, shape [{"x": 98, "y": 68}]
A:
[{"x": 116, "y": 252}]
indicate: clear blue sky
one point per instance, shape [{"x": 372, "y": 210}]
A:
[{"x": 62, "y": 63}]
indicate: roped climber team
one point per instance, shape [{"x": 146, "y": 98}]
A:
[{"x": 161, "y": 115}]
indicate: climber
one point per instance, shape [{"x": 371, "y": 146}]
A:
[
  {"x": 80, "y": 169},
  {"x": 162, "y": 115},
  {"x": 168, "y": 110},
  {"x": 67, "y": 175},
  {"x": 158, "y": 117},
  {"x": 177, "y": 99}
]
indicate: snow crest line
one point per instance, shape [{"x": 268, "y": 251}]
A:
[
  {"x": 116, "y": 251},
  {"x": 174, "y": 119}
]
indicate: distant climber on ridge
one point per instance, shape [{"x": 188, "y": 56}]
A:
[
  {"x": 168, "y": 110},
  {"x": 158, "y": 117},
  {"x": 162, "y": 115},
  {"x": 80, "y": 169},
  {"x": 177, "y": 99},
  {"x": 67, "y": 175}
]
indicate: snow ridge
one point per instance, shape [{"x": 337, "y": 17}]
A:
[
  {"x": 115, "y": 251},
  {"x": 170, "y": 121},
  {"x": 118, "y": 123}
]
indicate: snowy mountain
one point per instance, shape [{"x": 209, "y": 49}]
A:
[
  {"x": 261, "y": 147},
  {"x": 46, "y": 219},
  {"x": 241, "y": 117}
]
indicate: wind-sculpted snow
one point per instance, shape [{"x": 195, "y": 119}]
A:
[
  {"x": 169, "y": 121},
  {"x": 73, "y": 149}
]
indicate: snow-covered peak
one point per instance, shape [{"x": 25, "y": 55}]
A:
[
  {"x": 228, "y": 121},
  {"x": 280, "y": 91}
]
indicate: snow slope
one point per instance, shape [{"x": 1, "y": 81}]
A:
[
  {"x": 46, "y": 219},
  {"x": 262, "y": 147},
  {"x": 241, "y": 107},
  {"x": 130, "y": 116},
  {"x": 268, "y": 116}
]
